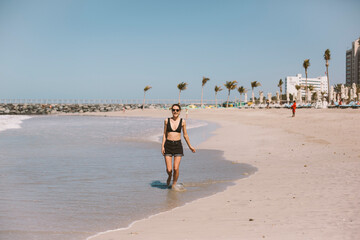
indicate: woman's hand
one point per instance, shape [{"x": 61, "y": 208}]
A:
[
  {"x": 163, "y": 150},
  {"x": 192, "y": 149}
]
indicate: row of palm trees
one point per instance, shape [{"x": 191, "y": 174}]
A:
[
  {"x": 231, "y": 85},
  {"x": 306, "y": 65}
]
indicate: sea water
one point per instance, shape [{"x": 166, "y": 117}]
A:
[{"x": 70, "y": 177}]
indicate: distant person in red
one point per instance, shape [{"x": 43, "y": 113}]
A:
[{"x": 293, "y": 107}]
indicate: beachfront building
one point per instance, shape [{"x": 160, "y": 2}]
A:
[
  {"x": 353, "y": 63},
  {"x": 319, "y": 83}
]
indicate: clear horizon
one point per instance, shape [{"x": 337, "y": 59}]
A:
[{"x": 113, "y": 49}]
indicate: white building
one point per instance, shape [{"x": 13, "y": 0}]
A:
[{"x": 319, "y": 83}]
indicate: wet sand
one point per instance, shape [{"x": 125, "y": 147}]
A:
[{"x": 306, "y": 186}]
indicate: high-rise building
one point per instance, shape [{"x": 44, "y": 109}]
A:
[
  {"x": 353, "y": 63},
  {"x": 319, "y": 83}
]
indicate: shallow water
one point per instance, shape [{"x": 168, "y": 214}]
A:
[{"x": 69, "y": 177}]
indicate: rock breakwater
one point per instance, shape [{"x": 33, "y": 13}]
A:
[{"x": 38, "y": 109}]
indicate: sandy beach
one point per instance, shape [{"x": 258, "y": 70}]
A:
[{"x": 306, "y": 186}]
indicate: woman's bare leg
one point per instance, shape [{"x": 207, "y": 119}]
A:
[
  {"x": 168, "y": 162},
  {"x": 176, "y": 169}
]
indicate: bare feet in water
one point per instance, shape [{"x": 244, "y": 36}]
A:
[{"x": 168, "y": 180}]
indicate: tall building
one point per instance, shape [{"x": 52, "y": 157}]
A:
[
  {"x": 353, "y": 63},
  {"x": 319, "y": 83}
]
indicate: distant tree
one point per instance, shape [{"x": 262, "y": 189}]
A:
[
  {"x": 241, "y": 90},
  {"x": 145, "y": 90},
  {"x": 327, "y": 57},
  {"x": 314, "y": 96},
  {"x": 217, "y": 89},
  {"x": 204, "y": 81},
  {"x": 306, "y": 65},
  {"x": 311, "y": 88},
  {"x": 230, "y": 85},
  {"x": 254, "y": 85},
  {"x": 291, "y": 97},
  {"x": 298, "y": 87},
  {"x": 181, "y": 86},
  {"x": 337, "y": 88},
  {"x": 280, "y": 86}
]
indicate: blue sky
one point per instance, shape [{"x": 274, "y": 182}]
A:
[{"x": 113, "y": 49}]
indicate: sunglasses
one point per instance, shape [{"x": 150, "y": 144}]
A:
[{"x": 175, "y": 110}]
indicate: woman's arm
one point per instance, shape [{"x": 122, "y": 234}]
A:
[
  {"x": 186, "y": 137},
  {"x": 164, "y": 138}
]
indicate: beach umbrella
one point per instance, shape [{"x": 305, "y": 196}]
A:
[
  {"x": 351, "y": 94},
  {"x": 298, "y": 98},
  {"x": 346, "y": 93},
  {"x": 269, "y": 97},
  {"x": 287, "y": 97},
  {"x": 308, "y": 95},
  {"x": 331, "y": 93},
  {"x": 261, "y": 95},
  {"x": 354, "y": 87},
  {"x": 277, "y": 97},
  {"x": 342, "y": 91},
  {"x": 318, "y": 98},
  {"x": 245, "y": 97},
  {"x": 354, "y": 90},
  {"x": 253, "y": 96}
]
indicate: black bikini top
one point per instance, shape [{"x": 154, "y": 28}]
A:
[{"x": 169, "y": 129}]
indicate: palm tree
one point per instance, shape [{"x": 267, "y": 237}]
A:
[
  {"x": 204, "y": 81},
  {"x": 230, "y": 85},
  {"x": 314, "y": 96},
  {"x": 280, "y": 86},
  {"x": 327, "y": 57},
  {"x": 337, "y": 88},
  {"x": 145, "y": 90},
  {"x": 241, "y": 90},
  {"x": 181, "y": 86},
  {"x": 217, "y": 89},
  {"x": 306, "y": 64},
  {"x": 254, "y": 85}
]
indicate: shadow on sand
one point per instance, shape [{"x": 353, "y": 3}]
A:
[{"x": 160, "y": 185}]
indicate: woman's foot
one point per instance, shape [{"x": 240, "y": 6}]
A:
[{"x": 168, "y": 180}]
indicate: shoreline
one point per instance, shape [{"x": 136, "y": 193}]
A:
[
  {"x": 216, "y": 183},
  {"x": 303, "y": 189},
  {"x": 211, "y": 134}
]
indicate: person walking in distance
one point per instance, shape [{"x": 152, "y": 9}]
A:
[{"x": 293, "y": 107}]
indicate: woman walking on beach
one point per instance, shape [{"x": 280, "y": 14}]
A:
[{"x": 171, "y": 144}]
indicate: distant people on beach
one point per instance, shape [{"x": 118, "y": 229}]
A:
[
  {"x": 171, "y": 144},
  {"x": 293, "y": 107}
]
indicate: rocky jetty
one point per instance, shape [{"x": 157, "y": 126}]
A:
[{"x": 38, "y": 109}]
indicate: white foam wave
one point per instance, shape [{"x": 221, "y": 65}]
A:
[{"x": 11, "y": 121}]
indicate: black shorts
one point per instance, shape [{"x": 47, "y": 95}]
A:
[{"x": 173, "y": 148}]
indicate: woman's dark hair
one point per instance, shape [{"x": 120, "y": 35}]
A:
[{"x": 176, "y": 104}]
